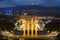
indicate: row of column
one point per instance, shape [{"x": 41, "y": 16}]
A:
[{"x": 30, "y": 26}]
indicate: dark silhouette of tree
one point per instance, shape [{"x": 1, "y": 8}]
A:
[{"x": 53, "y": 26}]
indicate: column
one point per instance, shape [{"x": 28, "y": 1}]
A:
[
  {"x": 28, "y": 28},
  {"x": 36, "y": 29},
  {"x": 32, "y": 26},
  {"x": 24, "y": 28}
]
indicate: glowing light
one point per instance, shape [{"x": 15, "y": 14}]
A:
[{"x": 32, "y": 3}]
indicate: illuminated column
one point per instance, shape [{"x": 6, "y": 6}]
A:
[
  {"x": 36, "y": 28},
  {"x": 24, "y": 29},
  {"x": 32, "y": 26},
  {"x": 28, "y": 28}
]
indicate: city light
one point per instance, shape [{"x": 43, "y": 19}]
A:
[{"x": 34, "y": 24}]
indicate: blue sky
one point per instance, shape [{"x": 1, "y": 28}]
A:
[{"x": 12, "y": 3}]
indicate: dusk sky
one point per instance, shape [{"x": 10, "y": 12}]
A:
[{"x": 12, "y": 3}]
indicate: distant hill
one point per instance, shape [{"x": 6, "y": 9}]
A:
[
  {"x": 37, "y": 7},
  {"x": 51, "y": 11},
  {"x": 33, "y": 7}
]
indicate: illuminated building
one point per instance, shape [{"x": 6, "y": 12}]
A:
[{"x": 30, "y": 25}]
